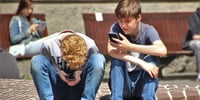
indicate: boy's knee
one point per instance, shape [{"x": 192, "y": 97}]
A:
[
  {"x": 98, "y": 60},
  {"x": 36, "y": 58},
  {"x": 98, "y": 56},
  {"x": 116, "y": 63},
  {"x": 36, "y": 62}
]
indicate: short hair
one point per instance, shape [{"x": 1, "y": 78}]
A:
[
  {"x": 128, "y": 8},
  {"x": 74, "y": 51}
]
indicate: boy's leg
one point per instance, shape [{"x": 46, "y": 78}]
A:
[
  {"x": 147, "y": 86},
  {"x": 116, "y": 81},
  {"x": 93, "y": 73},
  {"x": 43, "y": 74}
]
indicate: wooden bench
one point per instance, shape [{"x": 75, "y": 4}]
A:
[
  {"x": 4, "y": 32},
  {"x": 171, "y": 26}
]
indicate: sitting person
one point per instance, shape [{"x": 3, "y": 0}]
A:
[
  {"x": 192, "y": 40},
  {"x": 68, "y": 68},
  {"x": 25, "y": 30},
  {"x": 133, "y": 69}
]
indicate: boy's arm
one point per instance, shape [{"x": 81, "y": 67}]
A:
[
  {"x": 157, "y": 48},
  {"x": 119, "y": 51},
  {"x": 151, "y": 69},
  {"x": 46, "y": 52}
]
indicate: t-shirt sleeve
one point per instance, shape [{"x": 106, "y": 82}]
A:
[
  {"x": 45, "y": 52},
  {"x": 153, "y": 34},
  {"x": 91, "y": 45}
]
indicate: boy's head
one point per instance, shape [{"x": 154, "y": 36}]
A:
[
  {"x": 74, "y": 51},
  {"x": 128, "y": 8},
  {"x": 128, "y": 13}
]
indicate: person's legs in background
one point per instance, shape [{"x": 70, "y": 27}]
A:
[
  {"x": 195, "y": 46},
  {"x": 33, "y": 47}
]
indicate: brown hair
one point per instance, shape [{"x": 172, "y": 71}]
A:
[
  {"x": 22, "y": 5},
  {"x": 73, "y": 49},
  {"x": 128, "y": 8}
]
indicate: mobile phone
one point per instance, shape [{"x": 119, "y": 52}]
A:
[
  {"x": 114, "y": 35},
  {"x": 42, "y": 26},
  {"x": 70, "y": 74},
  {"x": 70, "y": 77}
]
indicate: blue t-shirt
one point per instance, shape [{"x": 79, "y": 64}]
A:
[{"x": 147, "y": 35}]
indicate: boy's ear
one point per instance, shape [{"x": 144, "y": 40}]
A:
[{"x": 139, "y": 17}]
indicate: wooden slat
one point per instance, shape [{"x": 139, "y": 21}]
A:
[
  {"x": 98, "y": 30},
  {"x": 172, "y": 28}
]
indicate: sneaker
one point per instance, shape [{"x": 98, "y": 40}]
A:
[
  {"x": 198, "y": 78},
  {"x": 17, "y": 50}
]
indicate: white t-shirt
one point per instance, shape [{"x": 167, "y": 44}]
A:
[
  {"x": 131, "y": 66},
  {"x": 51, "y": 48}
]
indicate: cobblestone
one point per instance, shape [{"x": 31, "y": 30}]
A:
[
  {"x": 21, "y": 89},
  {"x": 15, "y": 89}
]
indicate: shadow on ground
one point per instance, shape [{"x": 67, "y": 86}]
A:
[{"x": 106, "y": 97}]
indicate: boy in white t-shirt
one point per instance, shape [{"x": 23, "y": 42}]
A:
[{"x": 68, "y": 68}]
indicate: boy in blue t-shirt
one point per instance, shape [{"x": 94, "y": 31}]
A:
[{"x": 133, "y": 62}]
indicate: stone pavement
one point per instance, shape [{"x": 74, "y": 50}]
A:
[
  {"x": 17, "y": 89},
  {"x": 20, "y": 89},
  {"x": 178, "y": 86}
]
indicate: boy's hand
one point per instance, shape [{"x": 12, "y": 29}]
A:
[
  {"x": 151, "y": 69},
  {"x": 122, "y": 45},
  {"x": 77, "y": 75}
]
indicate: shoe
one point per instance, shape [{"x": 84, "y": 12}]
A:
[
  {"x": 198, "y": 79},
  {"x": 17, "y": 50}
]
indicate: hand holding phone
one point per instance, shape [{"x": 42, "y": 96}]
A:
[
  {"x": 42, "y": 26},
  {"x": 114, "y": 35},
  {"x": 70, "y": 76}
]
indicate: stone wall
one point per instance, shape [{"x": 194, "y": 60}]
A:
[{"x": 61, "y": 16}]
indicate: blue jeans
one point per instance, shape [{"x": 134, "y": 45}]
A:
[
  {"x": 120, "y": 77},
  {"x": 195, "y": 46},
  {"x": 50, "y": 87}
]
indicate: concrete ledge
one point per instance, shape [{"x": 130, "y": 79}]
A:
[{"x": 18, "y": 89}]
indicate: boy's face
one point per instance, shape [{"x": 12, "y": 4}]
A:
[{"x": 130, "y": 25}]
